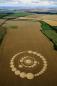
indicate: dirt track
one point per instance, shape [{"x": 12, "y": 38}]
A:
[{"x": 27, "y": 37}]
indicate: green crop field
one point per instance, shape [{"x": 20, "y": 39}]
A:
[
  {"x": 50, "y": 32},
  {"x": 18, "y": 14},
  {"x": 55, "y": 28},
  {"x": 2, "y": 15}
]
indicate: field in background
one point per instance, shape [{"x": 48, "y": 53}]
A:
[
  {"x": 6, "y": 17},
  {"x": 12, "y": 22}
]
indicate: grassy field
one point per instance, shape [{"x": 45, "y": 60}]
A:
[
  {"x": 55, "y": 27},
  {"x": 50, "y": 32},
  {"x": 2, "y": 15},
  {"x": 19, "y": 14}
]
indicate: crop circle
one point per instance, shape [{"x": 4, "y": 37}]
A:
[{"x": 28, "y": 64}]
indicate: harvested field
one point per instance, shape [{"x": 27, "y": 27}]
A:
[
  {"x": 51, "y": 22},
  {"x": 50, "y": 17}
]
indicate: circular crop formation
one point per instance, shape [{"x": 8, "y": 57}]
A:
[{"x": 28, "y": 64}]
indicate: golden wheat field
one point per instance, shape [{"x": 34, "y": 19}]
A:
[{"x": 27, "y": 57}]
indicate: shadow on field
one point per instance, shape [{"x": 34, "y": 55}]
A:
[{"x": 3, "y": 32}]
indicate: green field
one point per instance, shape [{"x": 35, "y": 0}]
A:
[
  {"x": 55, "y": 27},
  {"x": 50, "y": 32},
  {"x": 2, "y": 15},
  {"x": 18, "y": 14},
  {"x": 13, "y": 15}
]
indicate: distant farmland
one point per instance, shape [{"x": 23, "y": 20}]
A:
[
  {"x": 48, "y": 30},
  {"x": 4, "y": 17}
]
